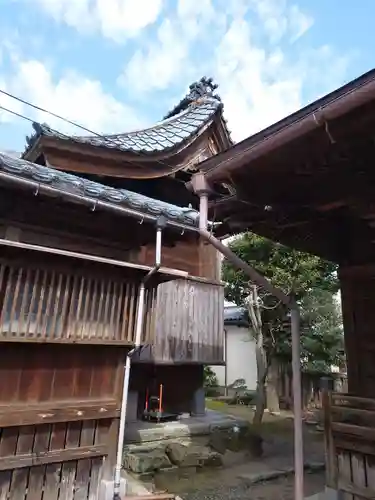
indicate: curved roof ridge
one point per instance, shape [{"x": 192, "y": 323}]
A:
[
  {"x": 163, "y": 136},
  {"x": 187, "y": 119},
  {"x": 165, "y": 121}
]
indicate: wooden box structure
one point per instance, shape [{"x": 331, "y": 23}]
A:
[
  {"x": 73, "y": 253},
  {"x": 308, "y": 182}
]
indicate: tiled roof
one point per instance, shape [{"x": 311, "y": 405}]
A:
[
  {"x": 164, "y": 136},
  {"x": 76, "y": 185},
  {"x": 235, "y": 315}
]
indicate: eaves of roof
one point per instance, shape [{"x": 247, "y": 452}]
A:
[
  {"x": 165, "y": 136},
  {"x": 66, "y": 183}
]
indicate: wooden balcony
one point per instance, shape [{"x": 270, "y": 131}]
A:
[
  {"x": 47, "y": 302},
  {"x": 59, "y": 301},
  {"x": 350, "y": 445}
]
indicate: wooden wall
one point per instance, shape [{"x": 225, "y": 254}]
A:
[
  {"x": 350, "y": 445},
  {"x": 189, "y": 324},
  {"x": 59, "y": 410},
  {"x": 61, "y": 300},
  {"x": 195, "y": 257},
  {"x": 358, "y": 306}
]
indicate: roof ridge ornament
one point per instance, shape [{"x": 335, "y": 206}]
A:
[
  {"x": 38, "y": 129},
  {"x": 203, "y": 88}
]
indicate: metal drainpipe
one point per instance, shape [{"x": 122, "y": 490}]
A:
[
  {"x": 291, "y": 303},
  {"x": 160, "y": 225}
]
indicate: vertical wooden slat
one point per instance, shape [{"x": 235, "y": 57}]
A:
[
  {"x": 20, "y": 476},
  {"x": 85, "y": 317},
  {"x": 64, "y": 311},
  {"x": 101, "y": 437},
  {"x": 8, "y": 446},
  {"x": 33, "y": 301},
  {"x": 99, "y": 321},
  {"x": 95, "y": 477},
  {"x": 56, "y": 307},
  {"x": 93, "y": 309},
  {"x": 125, "y": 311},
  {"x": 51, "y": 297},
  {"x": 120, "y": 312},
  {"x": 25, "y": 297},
  {"x": 7, "y": 296},
  {"x": 359, "y": 473},
  {"x": 344, "y": 471},
  {"x": 114, "y": 300},
  {"x": 37, "y": 473},
  {"x": 82, "y": 483},
  {"x": 53, "y": 471},
  {"x": 105, "y": 323},
  {"x": 13, "y": 313},
  {"x": 132, "y": 308},
  {"x": 78, "y": 324},
  {"x": 72, "y": 315},
  {"x": 68, "y": 471},
  {"x": 38, "y": 321}
]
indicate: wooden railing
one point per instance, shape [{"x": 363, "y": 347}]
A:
[
  {"x": 42, "y": 304},
  {"x": 349, "y": 423}
]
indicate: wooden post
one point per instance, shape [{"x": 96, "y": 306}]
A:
[{"x": 330, "y": 452}]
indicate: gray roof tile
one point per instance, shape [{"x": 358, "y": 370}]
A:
[
  {"x": 235, "y": 315},
  {"x": 77, "y": 185},
  {"x": 163, "y": 136}
]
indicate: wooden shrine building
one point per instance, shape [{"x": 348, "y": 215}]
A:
[
  {"x": 77, "y": 237},
  {"x": 308, "y": 182}
]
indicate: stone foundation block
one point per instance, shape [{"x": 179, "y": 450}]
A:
[{"x": 144, "y": 462}]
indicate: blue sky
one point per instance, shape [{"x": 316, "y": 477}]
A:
[{"x": 116, "y": 65}]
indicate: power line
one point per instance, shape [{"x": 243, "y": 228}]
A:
[
  {"x": 49, "y": 112},
  {"x": 17, "y": 114},
  {"x": 107, "y": 139}
]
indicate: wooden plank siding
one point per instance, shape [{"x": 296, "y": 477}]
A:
[
  {"x": 350, "y": 445},
  {"x": 60, "y": 461},
  {"x": 59, "y": 414},
  {"x": 40, "y": 303},
  {"x": 189, "y": 324},
  {"x": 357, "y": 285}
]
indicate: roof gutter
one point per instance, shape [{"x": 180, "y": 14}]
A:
[
  {"x": 241, "y": 155},
  {"x": 92, "y": 203}
]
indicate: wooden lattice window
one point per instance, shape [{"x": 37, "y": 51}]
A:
[{"x": 52, "y": 305}]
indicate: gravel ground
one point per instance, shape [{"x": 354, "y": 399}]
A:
[{"x": 280, "y": 489}]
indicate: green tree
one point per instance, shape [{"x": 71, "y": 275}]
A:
[{"x": 313, "y": 282}]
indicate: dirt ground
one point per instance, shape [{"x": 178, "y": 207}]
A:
[
  {"x": 231, "y": 482},
  {"x": 280, "y": 489}
]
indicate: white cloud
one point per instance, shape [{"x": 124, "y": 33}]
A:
[
  {"x": 114, "y": 19},
  {"x": 156, "y": 67},
  {"x": 73, "y": 96},
  {"x": 280, "y": 18},
  {"x": 246, "y": 52},
  {"x": 243, "y": 44},
  {"x": 8, "y": 103}
]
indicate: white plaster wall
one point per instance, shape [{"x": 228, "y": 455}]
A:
[{"x": 241, "y": 362}]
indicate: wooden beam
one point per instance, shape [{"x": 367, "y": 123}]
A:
[
  {"x": 12, "y": 416},
  {"x": 52, "y": 456}
]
